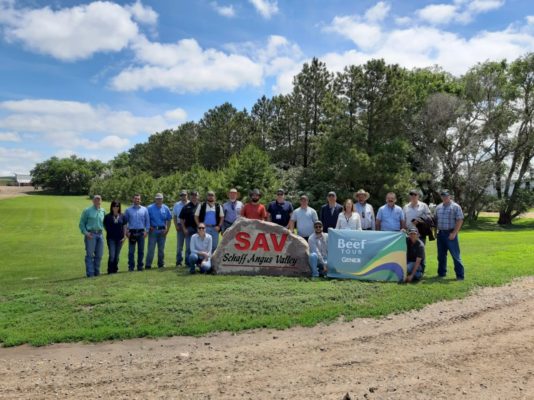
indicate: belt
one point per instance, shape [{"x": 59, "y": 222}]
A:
[
  {"x": 368, "y": 229},
  {"x": 159, "y": 228},
  {"x": 136, "y": 230},
  {"x": 445, "y": 230},
  {"x": 228, "y": 222},
  {"x": 96, "y": 232},
  {"x": 210, "y": 226}
]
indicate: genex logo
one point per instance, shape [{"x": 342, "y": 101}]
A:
[{"x": 266, "y": 243}]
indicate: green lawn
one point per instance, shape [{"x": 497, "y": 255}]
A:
[{"x": 45, "y": 298}]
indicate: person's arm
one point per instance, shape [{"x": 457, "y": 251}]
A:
[
  {"x": 197, "y": 214},
  {"x": 292, "y": 220},
  {"x": 410, "y": 277},
  {"x": 175, "y": 219},
  {"x": 82, "y": 225},
  {"x": 263, "y": 213},
  {"x": 221, "y": 218},
  {"x": 373, "y": 222},
  {"x": 358, "y": 222},
  {"x": 167, "y": 222},
  {"x": 457, "y": 226},
  {"x": 338, "y": 223},
  {"x": 243, "y": 211},
  {"x": 403, "y": 221}
]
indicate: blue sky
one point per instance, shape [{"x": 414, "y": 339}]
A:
[{"x": 94, "y": 78}]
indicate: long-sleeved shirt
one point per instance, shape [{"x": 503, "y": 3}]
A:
[
  {"x": 367, "y": 214},
  {"x": 92, "y": 219},
  {"x": 199, "y": 244},
  {"x": 353, "y": 222},
  {"x": 159, "y": 215},
  {"x": 137, "y": 218},
  {"x": 319, "y": 246}
]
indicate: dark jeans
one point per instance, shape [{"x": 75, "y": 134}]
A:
[
  {"x": 114, "y": 250},
  {"x": 94, "y": 248},
  {"x": 158, "y": 238},
  {"x": 190, "y": 232},
  {"x": 445, "y": 245},
  {"x": 139, "y": 240}
]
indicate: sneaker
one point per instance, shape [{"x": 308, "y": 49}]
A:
[{"x": 148, "y": 267}]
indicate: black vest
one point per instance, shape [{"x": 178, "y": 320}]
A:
[{"x": 202, "y": 213}]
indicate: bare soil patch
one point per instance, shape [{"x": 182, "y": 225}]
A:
[
  {"x": 481, "y": 347},
  {"x": 7, "y": 192}
]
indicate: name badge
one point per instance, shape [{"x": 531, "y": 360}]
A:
[{"x": 278, "y": 216}]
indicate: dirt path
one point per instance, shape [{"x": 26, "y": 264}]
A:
[
  {"x": 481, "y": 347},
  {"x": 7, "y": 192}
]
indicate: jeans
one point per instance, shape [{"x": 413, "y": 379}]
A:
[
  {"x": 94, "y": 248},
  {"x": 214, "y": 237},
  {"x": 139, "y": 240},
  {"x": 194, "y": 259},
  {"x": 419, "y": 273},
  {"x": 156, "y": 237},
  {"x": 114, "y": 250},
  {"x": 317, "y": 268},
  {"x": 180, "y": 240},
  {"x": 190, "y": 232},
  {"x": 444, "y": 245}
]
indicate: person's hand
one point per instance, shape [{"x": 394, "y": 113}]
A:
[
  {"x": 123, "y": 239},
  {"x": 408, "y": 279},
  {"x": 415, "y": 222},
  {"x": 186, "y": 233},
  {"x": 128, "y": 235},
  {"x": 165, "y": 232},
  {"x": 89, "y": 235},
  {"x": 452, "y": 236},
  {"x": 145, "y": 234},
  {"x": 151, "y": 229},
  {"x": 218, "y": 228}
]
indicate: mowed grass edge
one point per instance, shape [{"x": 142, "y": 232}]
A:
[{"x": 45, "y": 298}]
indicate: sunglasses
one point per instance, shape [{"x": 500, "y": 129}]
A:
[{"x": 201, "y": 227}]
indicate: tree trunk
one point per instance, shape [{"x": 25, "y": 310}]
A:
[{"x": 505, "y": 218}]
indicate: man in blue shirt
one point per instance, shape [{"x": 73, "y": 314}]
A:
[
  {"x": 138, "y": 224},
  {"x": 279, "y": 210},
  {"x": 390, "y": 216},
  {"x": 160, "y": 222},
  {"x": 180, "y": 237},
  {"x": 449, "y": 219}
]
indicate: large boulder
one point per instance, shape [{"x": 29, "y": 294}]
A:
[{"x": 253, "y": 247}]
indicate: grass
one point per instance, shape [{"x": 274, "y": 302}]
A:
[{"x": 45, "y": 298}]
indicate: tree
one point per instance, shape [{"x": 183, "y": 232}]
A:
[{"x": 70, "y": 175}]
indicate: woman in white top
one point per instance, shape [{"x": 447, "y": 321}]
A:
[{"x": 348, "y": 219}]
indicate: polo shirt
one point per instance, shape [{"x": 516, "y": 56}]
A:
[
  {"x": 254, "y": 211},
  {"x": 159, "y": 215},
  {"x": 177, "y": 209},
  {"x": 414, "y": 250},
  {"x": 390, "y": 218},
  {"x": 305, "y": 218},
  {"x": 188, "y": 215},
  {"x": 280, "y": 212}
]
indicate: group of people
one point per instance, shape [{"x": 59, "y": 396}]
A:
[{"x": 198, "y": 225}]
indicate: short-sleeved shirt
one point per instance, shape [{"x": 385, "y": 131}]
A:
[
  {"x": 354, "y": 222},
  {"x": 232, "y": 210},
  {"x": 188, "y": 215},
  {"x": 177, "y": 209},
  {"x": 280, "y": 212},
  {"x": 114, "y": 226},
  {"x": 137, "y": 217},
  {"x": 367, "y": 215},
  {"x": 210, "y": 219},
  {"x": 305, "y": 218},
  {"x": 254, "y": 211},
  {"x": 159, "y": 215},
  {"x": 411, "y": 213},
  {"x": 390, "y": 218},
  {"x": 447, "y": 215},
  {"x": 92, "y": 219},
  {"x": 414, "y": 250}
]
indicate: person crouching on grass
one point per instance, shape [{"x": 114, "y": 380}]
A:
[
  {"x": 200, "y": 250},
  {"x": 415, "y": 255}
]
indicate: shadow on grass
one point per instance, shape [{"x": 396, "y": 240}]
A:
[{"x": 489, "y": 224}]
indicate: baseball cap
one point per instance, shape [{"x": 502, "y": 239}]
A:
[
  {"x": 413, "y": 230},
  {"x": 280, "y": 191},
  {"x": 193, "y": 193},
  {"x": 183, "y": 193},
  {"x": 158, "y": 196},
  {"x": 332, "y": 194},
  {"x": 445, "y": 192}
]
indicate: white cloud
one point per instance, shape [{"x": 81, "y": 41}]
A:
[
  {"x": 403, "y": 20},
  {"x": 438, "y": 13},
  {"x": 17, "y": 160},
  {"x": 481, "y": 6},
  {"x": 530, "y": 19},
  {"x": 267, "y": 8},
  {"x": 225, "y": 11},
  {"x": 142, "y": 14},
  {"x": 9, "y": 137},
  {"x": 75, "y": 33},
  {"x": 177, "y": 114},
  {"x": 377, "y": 12},
  {"x": 186, "y": 67},
  {"x": 362, "y": 33}
]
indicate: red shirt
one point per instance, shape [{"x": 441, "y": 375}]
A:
[{"x": 254, "y": 211}]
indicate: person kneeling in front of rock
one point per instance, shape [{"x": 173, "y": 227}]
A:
[
  {"x": 318, "y": 242},
  {"x": 415, "y": 255},
  {"x": 200, "y": 250}
]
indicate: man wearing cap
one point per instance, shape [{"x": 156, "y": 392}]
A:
[
  {"x": 160, "y": 222},
  {"x": 254, "y": 209},
  {"x": 91, "y": 225},
  {"x": 137, "y": 226},
  {"x": 364, "y": 210},
  {"x": 329, "y": 212},
  {"x": 318, "y": 242},
  {"x": 187, "y": 218},
  {"x": 449, "y": 219},
  {"x": 180, "y": 237},
  {"x": 390, "y": 216},
  {"x": 212, "y": 214},
  {"x": 415, "y": 256},
  {"x": 232, "y": 209},
  {"x": 304, "y": 217},
  {"x": 415, "y": 213},
  {"x": 279, "y": 210}
]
